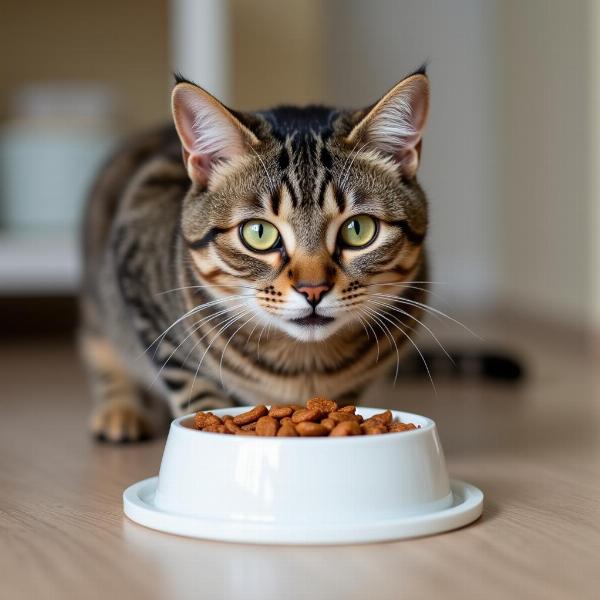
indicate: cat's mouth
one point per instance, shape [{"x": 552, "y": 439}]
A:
[{"x": 312, "y": 320}]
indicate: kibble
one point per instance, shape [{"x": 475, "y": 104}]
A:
[
  {"x": 346, "y": 428},
  {"x": 287, "y": 430},
  {"x": 322, "y": 404},
  {"x": 280, "y": 412},
  {"x": 267, "y": 426},
  {"x": 320, "y": 418},
  {"x": 310, "y": 429},
  {"x": 250, "y": 416}
]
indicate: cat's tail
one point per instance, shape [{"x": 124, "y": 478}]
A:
[{"x": 486, "y": 364}]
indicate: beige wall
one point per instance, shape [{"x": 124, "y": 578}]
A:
[
  {"x": 277, "y": 53},
  {"x": 123, "y": 42},
  {"x": 545, "y": 203},
  {"x": 371, "y": 45},
  {"x": 512, "y": 152},
  {"x": 593, "y": 161}
]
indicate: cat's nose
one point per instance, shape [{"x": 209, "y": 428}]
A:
[{"x": 313, "y": 292}]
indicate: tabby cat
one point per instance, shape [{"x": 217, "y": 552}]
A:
[{"x": 249, "y": 257}]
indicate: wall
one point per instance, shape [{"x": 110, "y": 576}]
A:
[
  {"x": 278, "y": 52},
  {"x": 201, "y": 43},
  {"x": 547, "y": 268},
  {"x": 122, "y": 42},
  {"x": 592, "y": 163},
  {"x": 370, "y": 47},
  {"x": 510, "y": 159}
]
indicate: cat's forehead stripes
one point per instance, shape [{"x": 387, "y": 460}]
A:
[{"x": 306, "y": 181}]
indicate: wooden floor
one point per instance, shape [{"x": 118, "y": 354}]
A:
[{"x": 533, "y": 450}]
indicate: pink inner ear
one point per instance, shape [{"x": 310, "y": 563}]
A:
[
  {"x": 396, "y": 124},
  {"x": 408, "y": 160},
  {"x": 199, "y": 166},
  {"x": 184, "y": 120}
]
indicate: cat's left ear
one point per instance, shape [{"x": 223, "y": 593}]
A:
[
  {"x": 395, "y": 124},
  {"x": 209, "y": 132}
]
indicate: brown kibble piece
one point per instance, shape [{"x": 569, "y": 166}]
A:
[
  {"x": 279, "y": 412},
  {"x": 346, "y": 428},
  {"x": 338, "y": 416},
  {"x": 373, "y": 428},
  {"x": 204, "y": 419},
  {"x": 267, "y": 426},
  {"x": 231, "y": 426},
  {"x": 306, "y": 414},
  {"x": 385, "y": 418},
  {"x": 310, "y": 429},
  {"x": 215, "y": 428},
  {"x": 321, "y": 404},
  {"x": 252, "y": 415},
  {"x": 293, "y": 420},
  {"x": 287, "y": 430},
  {"x": 328, "y": 423},
  {"x": 397, "y": 426}
]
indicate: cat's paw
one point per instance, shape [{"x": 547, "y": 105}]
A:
[{"x": 120, "y": 423}]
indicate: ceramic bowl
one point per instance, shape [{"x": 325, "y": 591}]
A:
[{"x": 302, "y": 490}]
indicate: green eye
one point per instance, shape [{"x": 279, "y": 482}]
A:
[
  {"x": 358, "y": 231},
  {"x": 259, "y": 235}
]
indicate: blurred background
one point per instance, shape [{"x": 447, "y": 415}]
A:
[
  {"x": 509, "y": 158},
  {"x": 511, "y": 167}
]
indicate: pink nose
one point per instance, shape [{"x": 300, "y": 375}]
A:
[{"x": 313, "y": 293}]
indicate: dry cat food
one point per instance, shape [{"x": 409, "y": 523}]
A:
[{"x": 320, "y": 417}]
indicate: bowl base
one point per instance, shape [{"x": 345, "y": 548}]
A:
[{"x": 138, "y": 505}]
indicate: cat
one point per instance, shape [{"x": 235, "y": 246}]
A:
[{"x": 245, "y": 258}]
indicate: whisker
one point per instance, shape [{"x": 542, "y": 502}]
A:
[
  {"x": 343, "y": 169},
  {"x": 229, "y": 322},
  {"x": 198, "y": 287},
  {"x": 362, "y": 322},
  {"x": 412, "y": 287},
  {"x": 427, "y": 308},
  {"x": 189, "y": 313},
  {"x": 376, "y": 315},
  {"x": 404, "y": 282},
  {"x": 197, "y": 325},
  {"x": 343, "y": 185},
  {"x": 251, "y": 333},
  {"x": 207, "y": 333},
  {"x": 258, "y": 343},
  {"x": 227, "y": 344},
  {"x": 273, "y": 187},
  {"x": 397, "y": 309},
  {"x": 348, "y": 305},
  {"x": 372, "y": 331},
  {"x": 420, "y": 354}
]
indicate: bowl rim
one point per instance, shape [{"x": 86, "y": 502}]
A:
[{"x": 425, "y": 429}]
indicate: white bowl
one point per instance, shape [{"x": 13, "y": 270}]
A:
[{"x": 303, "y": 490}]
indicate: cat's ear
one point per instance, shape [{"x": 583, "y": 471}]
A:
[
  {"x": 209, "y": 132},
  {"x": 395, "y": 124}
]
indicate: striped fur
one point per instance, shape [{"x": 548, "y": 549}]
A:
[{"x": 158, "y": 247}]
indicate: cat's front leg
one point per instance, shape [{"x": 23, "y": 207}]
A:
[
  {"x": 119, "y": 414},
  {"x": 188, "y": 392}
]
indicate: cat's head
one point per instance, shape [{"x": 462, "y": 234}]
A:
[{"x": 296, "y": 212}]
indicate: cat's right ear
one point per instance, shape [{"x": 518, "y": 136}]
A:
[
  {"x": 209, "y": 132},
  {"x": 395, "y": 124}
]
